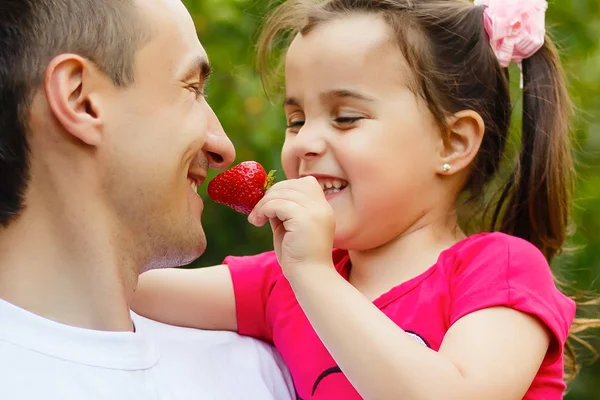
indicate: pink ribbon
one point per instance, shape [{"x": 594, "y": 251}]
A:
[{"x": 516, "y": 28}]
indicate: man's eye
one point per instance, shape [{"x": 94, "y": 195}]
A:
[{"x": 198, "y": 92}]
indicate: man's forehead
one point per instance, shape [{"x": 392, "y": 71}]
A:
[
  {"x": 171, "y": 21},
  {"x": 176, "y": 40},
  {"x": 163, "y": 8}
]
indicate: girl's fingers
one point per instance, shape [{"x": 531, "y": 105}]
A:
[
  {"x": 302, "y": 192},
  {"x": 282, "y": 209}
]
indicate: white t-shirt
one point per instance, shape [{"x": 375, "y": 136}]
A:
[{"x": 42, "y": 359}]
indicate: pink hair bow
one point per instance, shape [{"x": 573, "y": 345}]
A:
[{"x": 516, "y": 28}]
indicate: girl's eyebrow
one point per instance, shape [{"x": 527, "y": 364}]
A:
[
  {"x": 346, "y": 93},
  {"x": 333, "y": 94},
  {"x": 291, "y": 101}
]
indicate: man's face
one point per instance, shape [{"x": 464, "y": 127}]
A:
[{"x": 162, "y": 137}]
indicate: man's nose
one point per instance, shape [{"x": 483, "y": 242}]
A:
[{"x": 218, "y": 147}]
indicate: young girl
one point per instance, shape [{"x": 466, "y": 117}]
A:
[{"x": 395, "y": 110}]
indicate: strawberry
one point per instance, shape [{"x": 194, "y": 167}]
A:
[{"x": 241, "y": 187}]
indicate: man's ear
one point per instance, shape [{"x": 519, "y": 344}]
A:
[
  {"x": 461, "y": 143},
  {"x": 69, "y": 85}
]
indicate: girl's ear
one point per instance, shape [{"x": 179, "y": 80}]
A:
[{"x": 461, "y": 145}]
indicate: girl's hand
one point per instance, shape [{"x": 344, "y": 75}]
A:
[{"x": 302, "y": 221}]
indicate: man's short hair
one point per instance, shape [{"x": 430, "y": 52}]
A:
[{"x": 32, "y": 32}]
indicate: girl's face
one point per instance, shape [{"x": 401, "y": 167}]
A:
[{"x": 355, "y": 125}]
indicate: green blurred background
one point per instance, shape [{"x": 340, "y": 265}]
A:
[{"x": 228, "y": 30}]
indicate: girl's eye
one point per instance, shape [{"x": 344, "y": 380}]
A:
[
  {"x": 347, "y": 120},
  {"x": 295, "y": 124}
]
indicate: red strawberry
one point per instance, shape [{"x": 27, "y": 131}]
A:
[{"x": 241, "y": 187}]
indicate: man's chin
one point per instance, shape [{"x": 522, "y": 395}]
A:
[{"x": 178, "y": 255}]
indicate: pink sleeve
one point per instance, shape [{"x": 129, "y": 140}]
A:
[
  {"x": 253, "y": 279},
  {"x": 501, "y": 270}
]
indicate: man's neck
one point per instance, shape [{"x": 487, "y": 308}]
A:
[{"x": 63, "y": 265}]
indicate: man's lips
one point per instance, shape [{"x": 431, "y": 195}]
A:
[{"x": 196, "y": 179}]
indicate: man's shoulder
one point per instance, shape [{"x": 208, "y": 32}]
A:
[
  {"x": 182, "y": 362},
  {"x": 28, "y": 374},
  {"x": 239, "y": 364},
  {"x": 165, "y": 334},
  {"x": 200, "y": 344}
]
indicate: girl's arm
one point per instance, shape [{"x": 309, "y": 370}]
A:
[
  {"x": 493, "y": 354},
  {"x": 197, "y": 298}
]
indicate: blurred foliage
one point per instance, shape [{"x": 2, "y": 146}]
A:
[{"x": 228, "y": 30}]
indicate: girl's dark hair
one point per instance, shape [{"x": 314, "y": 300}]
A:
[{"x": 455, "y": 68}]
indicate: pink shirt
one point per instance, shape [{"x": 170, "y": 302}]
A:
[{"x": 484, "y": 270}]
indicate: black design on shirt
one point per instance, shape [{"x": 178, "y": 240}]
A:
[{"x": 337, "y": 370}]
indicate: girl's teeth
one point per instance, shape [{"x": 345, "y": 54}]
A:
[{"x": 333, "y": 186}]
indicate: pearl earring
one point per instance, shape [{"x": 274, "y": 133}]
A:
[{"x": 446, "y": 167}]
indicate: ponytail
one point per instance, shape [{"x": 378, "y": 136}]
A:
[
  {"x": 536, "y": 200},
  {"x": 538, "y": 195}
]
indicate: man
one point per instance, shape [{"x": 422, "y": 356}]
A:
[{"x": 104, "y": 136}]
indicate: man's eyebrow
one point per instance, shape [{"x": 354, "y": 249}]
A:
[{"x": 198, "y": 68}]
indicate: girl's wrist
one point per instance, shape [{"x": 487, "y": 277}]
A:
[{"x": 308, "y": 274}]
